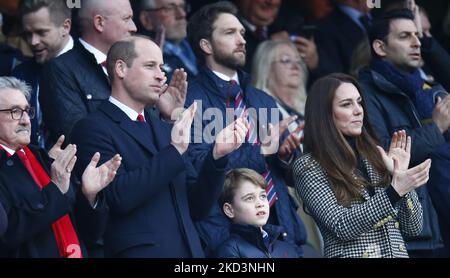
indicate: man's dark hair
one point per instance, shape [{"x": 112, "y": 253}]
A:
[
  {"x": 201, "y": 23},
  {"x": 124, "y": 50},
  {"x": 381, "y": 26},
  {"x": 58, "y": 9}
]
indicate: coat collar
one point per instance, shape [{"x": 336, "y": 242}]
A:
[
  {"x": 217, "y": 86},
  {"x": 253, "y": 234},
  {"x": 131, "y": 128}
]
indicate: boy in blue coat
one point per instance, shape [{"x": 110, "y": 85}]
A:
[{"x": 244, "y": 201}]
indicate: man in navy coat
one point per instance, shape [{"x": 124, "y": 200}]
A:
[{"x": 157, "y": 194}]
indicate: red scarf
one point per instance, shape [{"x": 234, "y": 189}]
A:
[{"x": 66, "y": 237}]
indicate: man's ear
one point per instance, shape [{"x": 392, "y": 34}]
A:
[
  {"x": 99, "y": 23},
  {"x": 228, "y": 210},
  {"x": 205, "y": 45},
  {"x": 146, "y": 21},
  {"x": 67, "y": 24},
  {"x": 120, "y": 69},
  {"x": 379, "y": 48}
]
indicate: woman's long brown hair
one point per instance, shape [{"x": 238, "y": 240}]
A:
[{"x": 329, "y": 147}]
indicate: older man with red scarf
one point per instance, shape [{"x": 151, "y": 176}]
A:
[{"x": 35, "y": 187}]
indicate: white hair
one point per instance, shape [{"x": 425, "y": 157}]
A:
[{"x": 7, "y": 82}]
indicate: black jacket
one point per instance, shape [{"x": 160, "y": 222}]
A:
[
  {"x": 72, "y": 86},
  {"x": 31, "y": 211},
  {"x": 247, "y": 242},
  {"x": 437, "y": 59},
  {"x": 337, "y": 36},
  {"x": 389, "y": 110}
]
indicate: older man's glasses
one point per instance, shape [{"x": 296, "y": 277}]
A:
[
  {"x": 172, "y": 8},
  {"x": 17, "y": 113}
]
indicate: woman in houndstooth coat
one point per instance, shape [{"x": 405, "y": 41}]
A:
[{"x": 361, "y": 197}]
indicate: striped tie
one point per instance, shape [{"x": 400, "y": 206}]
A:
[{"x": 252, "y": 138}]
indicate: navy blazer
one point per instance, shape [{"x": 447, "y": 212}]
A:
[
  {"x": 72, "y": 86},
  {"x": 31, "y": 211},
  {"x": 156, "y": 194}
]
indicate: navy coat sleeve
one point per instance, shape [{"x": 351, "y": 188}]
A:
[{"x": 3, "y": 220}]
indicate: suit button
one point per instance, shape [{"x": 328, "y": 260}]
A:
[
  {"x": 9, "y": 163},
  {"x": 39, "y": 206},
  {"x": 410, "y": 204},
  {"x": 89, "y": 96},
  {"x": 284, "y": 235},
  {"x": 402, "y": 248},
  {"x": 397, "y": 225}
]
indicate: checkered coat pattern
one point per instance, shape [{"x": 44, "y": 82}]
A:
[{"x": 368, "y": 228}]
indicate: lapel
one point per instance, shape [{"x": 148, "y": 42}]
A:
[
  {"x": 128, "y": 126},
  {"x": 90, "y": 58},
  {"x": 373, "y": 176},
  {"x": 159, "y": 130}
]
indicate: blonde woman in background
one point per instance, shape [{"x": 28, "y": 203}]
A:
[{"x": 279, "y": 70}]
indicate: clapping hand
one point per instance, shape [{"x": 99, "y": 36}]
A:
[
  {"x": 271, "y": 143},
  {"x": 291, "y": 143},
  {"x": 230, "y": 138},
  {"x": 94, "y": 178},
  {"x": 62, "y": 167},
  {"x": 181, "y": 131},
  {"x": 56, "y": 150},
  {"x": 174, "y": 94},
  {"x": 400, "y": 149}
]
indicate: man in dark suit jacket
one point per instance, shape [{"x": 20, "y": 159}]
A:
[
  {"x": 36, "y": 192},
  {"x": 157, "y": 194},
  {"x": 75, "y": 83},
  {"x": 338, "y": 35},
  {"x": 46, "y": 25}
]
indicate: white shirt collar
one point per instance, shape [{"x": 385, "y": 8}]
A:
[
  {"x": 99, "y": 56},
  {"x": 249, "y": 25},
  {"x": 127, "y": 110},
  {"x": 227, "y": 78},
  {"x": 9, "y": 150},
  {"x": 67, "y": 47}
]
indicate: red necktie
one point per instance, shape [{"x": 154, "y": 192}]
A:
[{"x": 140, "y": 118}]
